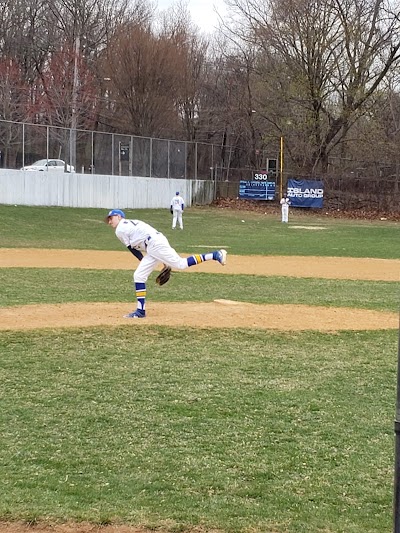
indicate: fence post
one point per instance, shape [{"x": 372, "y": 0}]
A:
[
  {"x": 92, "y": 158},
  {"x": 131, "y": 157},
  {"x": 119, "y": 159},
  {"x": 23, "y": 144},
  {"x": 151, "y": 156},
  {"x": 195, "y": 161},
  {"x": 112, "y": 154},
  {"x": 186, "y": 155},
  {"x": 168, "y": 157}
]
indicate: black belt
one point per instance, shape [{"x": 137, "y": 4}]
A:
[{"x": 147, "y": 239}]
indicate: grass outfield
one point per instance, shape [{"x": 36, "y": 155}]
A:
[
  {"x": 258, "y": 234},
  {"x": 234, "y": 430}
]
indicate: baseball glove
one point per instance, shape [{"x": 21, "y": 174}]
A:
[
  {"x": 171, "y": 210},
  {"x": 163, "y": 276}
]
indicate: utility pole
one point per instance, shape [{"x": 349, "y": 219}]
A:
[
  {"x": 281, "y": 169},
  {"x": 74, "y": 117},
  {"x": 396, "y": 499}
]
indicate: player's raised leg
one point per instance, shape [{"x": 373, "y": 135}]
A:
[{"x": 218, "y": 255}]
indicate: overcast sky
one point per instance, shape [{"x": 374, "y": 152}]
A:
[{"x": 202, "y": 12}]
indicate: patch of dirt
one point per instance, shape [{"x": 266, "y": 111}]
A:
[
  {"x": 217, "y": 314},
  {"x": 220, "y": 313},
  {"x": 294, "y": 266},
  {"x": 312, "y": 228}
]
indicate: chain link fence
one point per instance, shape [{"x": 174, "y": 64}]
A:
[
  {"x": 354, "y": 194},
  {"x": 347, "y": 193},
  {"x": 21, "y": 144},
  {"x": 349, "y": 185}
]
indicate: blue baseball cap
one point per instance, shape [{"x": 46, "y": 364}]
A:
[{"x": 114, "y": 212}]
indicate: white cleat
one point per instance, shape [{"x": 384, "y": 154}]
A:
[{"x": 221, "y": 257}]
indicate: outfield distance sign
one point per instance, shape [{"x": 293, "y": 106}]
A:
[{"x": 259, "y": 188}]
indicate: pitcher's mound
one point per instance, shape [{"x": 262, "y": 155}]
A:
[{"x": 216, "y": 314}]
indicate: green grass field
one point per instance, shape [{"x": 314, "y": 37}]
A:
[
  {"x": 60, "y": 227},
  {"x": 177, "y": 428}
]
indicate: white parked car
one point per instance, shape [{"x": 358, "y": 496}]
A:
[{"x": 49, "y": 164}]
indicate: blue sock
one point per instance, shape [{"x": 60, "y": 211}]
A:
[
  {"x": 140, "y": 289},
  {"x": 199, "y": 258}
]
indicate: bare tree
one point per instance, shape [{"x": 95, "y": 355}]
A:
[
  {"x": 25, "y": 34},
  {"x": 326, "y": 60},
  {"x": 90, "y": 21},
  {"x": 56, "y": 86},
  {"x": 374, "y": 140},
  {"x": 14, "y": 106},
  {"x": 190, "y": 64},
  {"x": 35, "y": 32},
  {"x": 143, "y": 69}
]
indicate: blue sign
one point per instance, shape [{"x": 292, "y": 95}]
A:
[
  {"x": 305, "y": 193},
  {"x": 257, "y": 190}
]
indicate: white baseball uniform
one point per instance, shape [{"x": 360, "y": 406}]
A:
[
  {"x": 177, "y": 205},
  {"x": 285, "y": 202},
  {"x": 143, "y": 237},
  {"x": 138, "y": 237}
]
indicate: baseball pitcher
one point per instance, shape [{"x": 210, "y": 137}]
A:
[{"x": 151, "y": 248}]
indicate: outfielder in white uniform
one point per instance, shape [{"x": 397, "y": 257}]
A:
[
  {"x": 140, "y": 237},
  {"x": 177, "y": 207},
  {"x": 285, "y": 202}
]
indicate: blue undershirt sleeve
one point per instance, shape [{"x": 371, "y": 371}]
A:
[{"x": 137, "y": 253}]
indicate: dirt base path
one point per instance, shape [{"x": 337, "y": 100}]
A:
[
  {"x": 220, "y": 313},
  {"x": 295, "y": 266}
]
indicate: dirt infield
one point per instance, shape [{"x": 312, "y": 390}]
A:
[
  {"x": 220, "y": 313},
  {"x": 295, "y": 266},
  {"x": 217, "y": 314}
]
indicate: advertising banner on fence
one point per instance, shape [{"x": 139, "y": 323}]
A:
[
  {"x": 261, "y": 187},
  {"x": 305, "y": 193}
]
